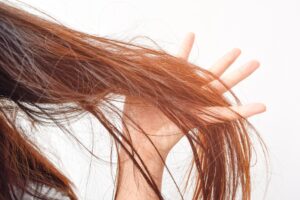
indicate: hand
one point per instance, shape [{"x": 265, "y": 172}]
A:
[{"x": 161, "y": 130}]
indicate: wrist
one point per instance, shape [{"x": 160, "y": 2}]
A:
[{"x": 151, "y": 159}]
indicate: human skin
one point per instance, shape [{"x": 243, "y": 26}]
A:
[{"x": 164, "y": 134}]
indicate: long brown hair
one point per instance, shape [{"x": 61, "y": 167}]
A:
[{"x": 52, "y": 73}]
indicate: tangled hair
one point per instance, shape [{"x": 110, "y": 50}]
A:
[{"x": 52, "y": 73}]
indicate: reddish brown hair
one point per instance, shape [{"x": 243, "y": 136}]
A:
[{"x": 45, "y": 66}]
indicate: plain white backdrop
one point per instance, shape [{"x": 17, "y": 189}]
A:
[{"x": 266, "y": 30}]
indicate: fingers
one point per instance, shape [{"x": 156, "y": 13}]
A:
[
  {"x": 228, "y": 113},
  {"x": 223, "y": 63},
  {"x": 219, "y": 114},
  {"x": 236, "y": 76},
  {"x": 186, "y": 46}
]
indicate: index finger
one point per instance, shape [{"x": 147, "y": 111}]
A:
[{"x": 186, "y": 46}]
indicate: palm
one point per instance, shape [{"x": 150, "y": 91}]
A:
[{"x": 160, "y": 129}]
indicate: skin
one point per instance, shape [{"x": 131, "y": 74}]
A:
[{"x": 132, "y": 184}]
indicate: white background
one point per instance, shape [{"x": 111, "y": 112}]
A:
[{"x": 266, "y": 30}]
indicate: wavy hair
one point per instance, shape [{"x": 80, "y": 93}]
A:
[{"x": 52, "y": 73}]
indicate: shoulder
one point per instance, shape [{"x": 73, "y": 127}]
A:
[{"x": 47, "y": 192}]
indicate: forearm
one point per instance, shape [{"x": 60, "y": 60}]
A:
[{"x": 132, "y": 184}]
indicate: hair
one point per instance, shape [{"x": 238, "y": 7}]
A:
[{"x": 52, "y": 73}]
